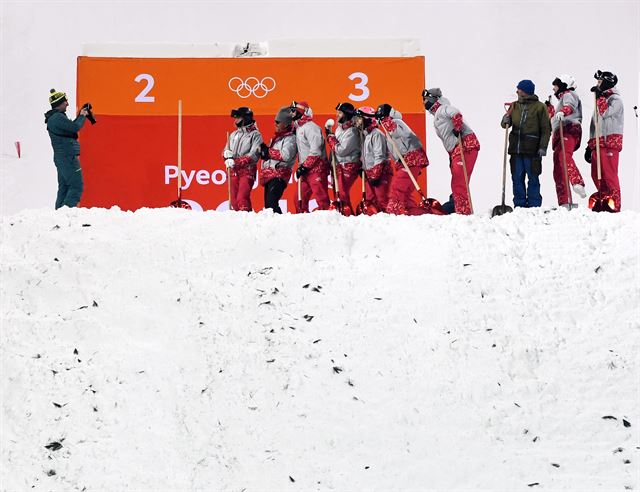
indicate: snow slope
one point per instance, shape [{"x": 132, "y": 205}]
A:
[
  {"x": 476, "y": 51},
  {"x": 169, "y": 350}
]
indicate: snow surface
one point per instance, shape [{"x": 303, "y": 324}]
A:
[
  {"x": 171, "y": 350},
  {"x": 476, "y": 51}
]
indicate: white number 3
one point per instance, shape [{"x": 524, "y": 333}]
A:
[
  {"x": 142, "y": 97},
  {"x": 362, "y": 85}
]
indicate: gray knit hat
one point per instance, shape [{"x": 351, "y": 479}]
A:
[{"x": 284, "y": 115}]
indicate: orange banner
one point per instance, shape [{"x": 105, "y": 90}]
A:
[
  {"x": 129, "y": 157},
  {"x": 152, "y": 86}
]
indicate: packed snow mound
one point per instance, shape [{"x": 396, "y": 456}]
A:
[{"x": 171, "y": 350}]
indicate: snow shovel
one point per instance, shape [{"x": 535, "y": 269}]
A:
[
  {"x": 299, "y": 194},
  {"x": 503, "y": 209},
  {"x": 464, "y": 169},
  {"x": 599, "y": 202},
  {"x": 430, "y": 205},
  {"x": 567, "y": 183},
  {"x": 180, "y": 203}
]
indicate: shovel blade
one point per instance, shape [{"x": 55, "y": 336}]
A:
[
  {"x": 601, "y": 203},
  {"x": 180, "y": 204},
  {"x": 347, "y": 211},
  {"x": 367, "y": 207},
  {"x": 501, "y": 210},
  {"x": 433, "y": 207}
]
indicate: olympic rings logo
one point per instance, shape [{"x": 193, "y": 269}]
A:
[{"x": 252, "y": 86}]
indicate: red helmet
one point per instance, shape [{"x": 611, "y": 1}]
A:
[{"x": 301, "y": 108}]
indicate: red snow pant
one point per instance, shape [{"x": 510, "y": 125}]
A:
[
  {"x": 558, "y": 168},
  {"x": 610, "y": 184},
  {"x": 241, "y": 192},
  {"x": 400, "y": 200},
  {"x": 379, "y": 193},
  {"x": 458, "y": 187},
  {"x": 345, "y": 182},
  {"x": 315, "y": 184}
]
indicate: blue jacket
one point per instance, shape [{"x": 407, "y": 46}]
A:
[{"x": 63, "y": 133}]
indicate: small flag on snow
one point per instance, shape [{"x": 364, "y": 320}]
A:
[{"x": 18, "y": 149}]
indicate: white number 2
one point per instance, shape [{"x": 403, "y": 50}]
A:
[
  {"x": 362, "y": 85},
  {"x": 142, "y": 97}
]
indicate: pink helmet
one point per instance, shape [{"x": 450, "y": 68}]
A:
[{"x": 366, "y": 111}]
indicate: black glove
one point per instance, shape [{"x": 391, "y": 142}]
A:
[
  {"x": 264, "y": 151},
  {"x": 328, "y": 130},
  {"x": 301, "y": 171},
  {"x": 456, "y": 133},
  {"x": 597, "y": 90},
  {"x": 587, "y": 155},
  {"x": 374, "y": 182}
]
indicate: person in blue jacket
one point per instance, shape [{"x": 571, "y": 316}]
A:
[{"x": 66, "y": 148}]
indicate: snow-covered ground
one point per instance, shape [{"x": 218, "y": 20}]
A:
[
  {"x": 171, "y": 350},
  {"x": 476, "y": 51}
]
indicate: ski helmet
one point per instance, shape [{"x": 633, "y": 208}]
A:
[
  {"x": 430, "y": 97},
  {"x": 367, "y": 113},
  {"x": 245, "y": 113},
  {"x": 564, "y": 82},
  {"x": 348, "y": 111},
  {"x": 300, "y": 109},
  {"x": 383, "y": 111},
  {"x": 609, "y": 79}
]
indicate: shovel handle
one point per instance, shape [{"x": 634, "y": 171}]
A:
[
  {"x": 596, "y": 118},
  {"x": 179, "y": 146},
  {"x": 404, "y": 163}
]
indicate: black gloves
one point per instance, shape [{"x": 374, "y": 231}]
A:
[
  {"x": 374, "y": 182},
  {"x": 587, "y": 155},
  {"x": 597, "y": 90},
  {"x": 264, "y": 151},
  {"x": 301, "y": 171},
  {"x": 456, "y": 133}
]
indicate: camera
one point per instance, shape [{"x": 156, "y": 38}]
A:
[{"x": 90, "y": 116}]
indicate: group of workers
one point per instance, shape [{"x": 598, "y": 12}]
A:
[{"x": 378, "y": 146}]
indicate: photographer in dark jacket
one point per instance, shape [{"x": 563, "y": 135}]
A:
[
  {"x": 528, "y": 141},
  {"x": 66, "y": 148}
]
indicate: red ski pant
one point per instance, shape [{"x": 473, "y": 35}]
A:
[
  {"x": 461, "y": 198},
  {"x": 400, "y": 200},
  {"x": 345, "y": 182},
  {"x": 316, "y": 185},
  {"x": 241, "y": 192},
  {"x": 610, "y": 184},
  {"x": 379, "y": 193},
  {"x": 558, "y": 169}
]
